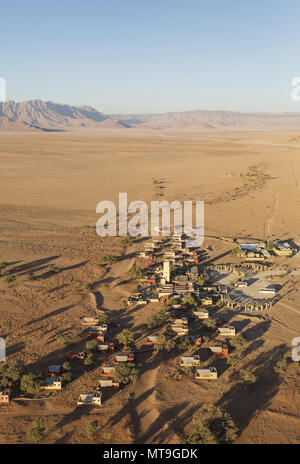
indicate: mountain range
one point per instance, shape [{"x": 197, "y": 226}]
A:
[{"x": 38, "y": 115}]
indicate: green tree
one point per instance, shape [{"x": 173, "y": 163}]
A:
[
  {"x": 31, "y": 382},
  {"x": 125, "y": 338},
  {"x": 126, "y": 373},
  {"x": 10, "y": 373},
  {"x": 212, "y": 425},
  {"x": 190, "y": 301},
  {"x": 157, "y": 319},
  {"x": 134, "y": 273},
  {"x": 167, "y": 345},
  {"x": 184, "y": 343},
  {"x": 282, "y": 365}
]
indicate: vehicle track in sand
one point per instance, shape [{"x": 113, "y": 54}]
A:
[{"x": 271, "y": 217}]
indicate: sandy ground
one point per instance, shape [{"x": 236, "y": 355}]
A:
[{"x": 50, "y": 185}]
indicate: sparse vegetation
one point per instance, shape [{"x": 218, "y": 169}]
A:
[{"x": 134, "y": 272}]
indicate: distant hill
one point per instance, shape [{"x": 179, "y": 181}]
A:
[
  {"x": 49, "y": 116},
  {"x": 53, "y": 116},
  {"x": 213, "y": 120}
]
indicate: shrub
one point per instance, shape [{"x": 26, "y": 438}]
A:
[
  {"x": 9, "y": 278},
  {"x": 246, "y": 376},
  {"x": 282, "y": 365},
  {"x": 126, "y": 373},
  {"x": 82, "y": 287},
  {"x": 67, "y": 376},
  {"x": 67, "y": 366},
  {"x": 209, "y": 324},
  {"x": 103, "y": 319},
  {"x": 269, "y": 246},
  {"x": 235, "y": 251},
  {"x": 6, "y": 325},
  {"x": 91, "y": 345},
  {"x": 3, "y": 265},
  {"x": 53, "y": 269},
  {"x": 92, "y": 429},
  {"x": 212, "y": 425},
  {"x": 63, "y": 339},
  {"x": 238, "y": 342},
  {"x": 38, "y": 431},
  {"x": 31, "y": 382},
  {"x": 127, "y": 240},
  {"x": 123, "y": 304},
  {"x": 232, "y": 359},
  {"x": 28, "y": 346},
  {"x": 88, "y": 360},
  {"x": 107, "y": 259}
]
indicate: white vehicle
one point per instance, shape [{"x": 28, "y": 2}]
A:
[{"x": 269, "y": 290}]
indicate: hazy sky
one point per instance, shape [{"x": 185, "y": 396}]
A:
[{"x": 152, "y": 55}]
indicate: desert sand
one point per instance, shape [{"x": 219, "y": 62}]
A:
[{"x": 50, "y": 185}]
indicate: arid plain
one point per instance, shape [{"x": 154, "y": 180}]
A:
[{"x": 50, "y": 185}]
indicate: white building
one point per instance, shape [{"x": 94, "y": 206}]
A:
[{"x": 166, "y": 271}]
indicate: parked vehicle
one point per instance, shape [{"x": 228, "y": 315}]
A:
[{"x": 76, "y": 356}]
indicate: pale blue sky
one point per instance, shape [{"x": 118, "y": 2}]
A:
[{"x": 152, "y": 55}]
